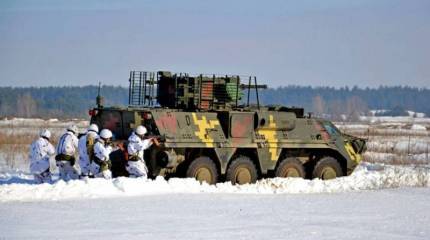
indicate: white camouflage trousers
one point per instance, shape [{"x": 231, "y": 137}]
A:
[
  {"x": 45, "y": 177},
  {"x": 137, "y": 168},
  {"x": 95, "y": 170},
  {"x": 40, "y": 170},
  {"x": 84, "y": 164},
  {"x": 67, "y": 171}
]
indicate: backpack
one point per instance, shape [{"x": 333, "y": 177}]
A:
[{"x": 90, "y": 146}]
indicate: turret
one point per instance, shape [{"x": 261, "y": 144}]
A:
[{"x": 184, "y": 91}]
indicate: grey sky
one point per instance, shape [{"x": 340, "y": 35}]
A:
[{"x": 303, "y": 42}]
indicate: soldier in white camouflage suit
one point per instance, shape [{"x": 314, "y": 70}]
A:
[
  {"x": 100, "y": 167},
  {"x": 66, "y": 154},
  {"x": 137, "y": 144},
  {"x": 41, "y": 151},
  {"x": 86, "y": 149}
]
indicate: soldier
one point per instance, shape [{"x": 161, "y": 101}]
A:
[
  {"x": 86, "y": 149},
  {"x": 101, "y": 164},
  {"x": 137, "y": 144},
  {"x": 66, "y": 151},
  {"x": 41, "y": 151}
]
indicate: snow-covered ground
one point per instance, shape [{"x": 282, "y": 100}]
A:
[
  {"x": 20, "y": 186},
  {"x": 375, "y": 202},
  {"x": 378, "y": 201},
  {"x": 395, "y": 141},
  {"x": 402, "y": 213}
]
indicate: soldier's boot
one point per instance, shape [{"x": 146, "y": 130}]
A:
[
  {"x": 46, "y": 176},
  {"x": 62, "y": 170},
  {"x": 107, "y": 174},
  {"x": 72, "y": 172},
  {"x": 38, "y": 178}
]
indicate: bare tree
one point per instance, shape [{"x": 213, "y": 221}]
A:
[
  {"x": 355, "y": 106},
  {"x": 318, "y": 105},
  {"x": 26, "y": 106},
  {"x": 336, "y": 108},
  {"x": 4, "y": 109}
]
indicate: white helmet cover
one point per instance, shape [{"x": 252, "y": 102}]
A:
[
  {"x": 45, "y": 133},
  {"x": 141, "y": 130},
  {"x": 93, "y": 128},
  {"x": 105, "y": 134},
  {"x": 73, "y": 129}
]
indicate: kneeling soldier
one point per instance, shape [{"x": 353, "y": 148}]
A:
[
  {"x": 86, "y": 149},
  {"x": 66, "y": 150},
  {"x": 41, "y": 151},
  {"x": 100, "y": 167}
]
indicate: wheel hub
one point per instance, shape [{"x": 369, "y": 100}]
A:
[
  {"x": 243, "y": 176},
  {"x": 328, "y": 173},
  {"x": 291, "y": 172},
  {"x": 203, "y": 175}
]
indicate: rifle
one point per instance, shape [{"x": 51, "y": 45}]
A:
[{"x": 160, "y": 138}]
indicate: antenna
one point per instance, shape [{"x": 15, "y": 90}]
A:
[{"x": 99, "y": 99}]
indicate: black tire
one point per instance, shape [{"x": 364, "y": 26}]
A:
[
  {"x": 290, "y": 167},
  {"x": 327, "y": 168},
  {"x": 241, "y": 171},
  {"x": 203, "y": 169}
]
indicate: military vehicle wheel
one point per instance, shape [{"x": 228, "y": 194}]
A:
[
  {"x": 241, "y": 171},
  {"x": 203, "y": 169},
  {"x": 327, "y": 168},
  {"x": 290, "y": 167}
]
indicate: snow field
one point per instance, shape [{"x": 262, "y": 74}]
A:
[
  {"x": 399, "y": 146},
  {"x": 402, "y": 213},
  {"x": 40, "y": 123},
  {"x": 377, "y": 201},
  {"x": 391, "y": 142},
  {"x": 421, "y": 118},
  {"x": 19, "y": 186}
]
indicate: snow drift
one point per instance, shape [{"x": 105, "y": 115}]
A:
[{"x": 19, "y": 186}]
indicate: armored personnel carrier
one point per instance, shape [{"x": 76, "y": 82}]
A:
[{"x": 212, "y": 132}]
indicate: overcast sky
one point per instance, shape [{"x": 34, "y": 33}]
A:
[{"x": 319, "y": 43}]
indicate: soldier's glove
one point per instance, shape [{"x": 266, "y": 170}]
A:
[
  {"x": 162, "y": 138},
  {"x": 45, "y": 173},
  {"x": 105, "y": 165}
]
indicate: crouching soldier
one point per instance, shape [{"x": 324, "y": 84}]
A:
[
  {"x": 66, "y": 151},
  {"x": 86, "y": 149},
  {"x": 101, "y": 165},
  {"x": 137, "y": 144},
  {"x": 41, "y": 151}
]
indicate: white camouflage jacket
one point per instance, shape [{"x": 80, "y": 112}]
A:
[
  {"x": 101, "y": 151},
  {"x": 41, "y": 149},
  {"x": 82, "y": 144},
  {"x": 68, "y": 144},
  {"x": 136, "y": 145}
]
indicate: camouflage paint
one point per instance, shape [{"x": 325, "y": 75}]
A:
[
  {"x": 269, "y": 134},
  {"x": 204, "y": 127},
  {"x": 352, "y": 154},
  {"x": 197, "y": 113}
]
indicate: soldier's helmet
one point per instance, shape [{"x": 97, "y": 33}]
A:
[
  {"x": 93, "y": 128},
  {"x": 106, "y": 134},
  {"x": 73, "y": 129},
  {"x": 141, "y": 130},
  {"x": 45, "y": 133}
]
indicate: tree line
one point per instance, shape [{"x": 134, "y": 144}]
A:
[
  {"x": 56, "y": 102},
  {"x": 351, "y": 102},
  {"x": 74, "y": 102}
]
